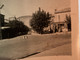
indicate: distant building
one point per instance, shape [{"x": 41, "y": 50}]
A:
[
  {"x": 25, "y": 20},
  {"x": 59, "y": 24}
]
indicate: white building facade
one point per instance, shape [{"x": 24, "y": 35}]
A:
[{"x": 58, "y": 24}]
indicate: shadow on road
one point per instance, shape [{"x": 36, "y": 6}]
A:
[{"x": 29, "y": 55}]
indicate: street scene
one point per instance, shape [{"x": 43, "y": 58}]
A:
[{"x": 31, "y": 29}]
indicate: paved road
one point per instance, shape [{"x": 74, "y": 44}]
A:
[
  {"x": 58, "y": 51},
  {"x": 23, "y": 46}
]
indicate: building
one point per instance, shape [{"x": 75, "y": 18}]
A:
[
  {"x": 1, "y": 19},
  {"x": 25, "y": 20},
  {"x": 1, "y": 24},
  {"x": 59, "y": 23}
]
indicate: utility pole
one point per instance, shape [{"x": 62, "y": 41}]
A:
[{"x": 1, "y": 7}]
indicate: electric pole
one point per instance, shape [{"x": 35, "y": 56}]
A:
[{"x": 1, "y": 7}]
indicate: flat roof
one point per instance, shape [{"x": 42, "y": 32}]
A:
[{"x": 63, "y": 10}]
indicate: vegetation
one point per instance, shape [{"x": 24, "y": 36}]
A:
[
  {"x": 16, "y": 28},
  {"x": 40, "y": 20},
  {"x": 68, "y": 21}
]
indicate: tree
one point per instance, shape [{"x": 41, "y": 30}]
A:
[
  {"x": 68, "y": 21},
  {"x": 40, "y": 19},
  {"x": 18, "y": 27}
]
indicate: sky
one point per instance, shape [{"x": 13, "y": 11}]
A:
[{"x": 27, "y": 7}]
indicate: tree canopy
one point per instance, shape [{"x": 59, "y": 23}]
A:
[
  {"x": 40, "y": 19},
  {"x": 18, "y": 27}
]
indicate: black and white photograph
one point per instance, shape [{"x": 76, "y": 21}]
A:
[{"x": 35, "y": 28}]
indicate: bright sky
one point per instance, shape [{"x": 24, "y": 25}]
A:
[{"x": 27, "y": 7}]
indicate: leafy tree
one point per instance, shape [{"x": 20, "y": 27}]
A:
[
  {"x": 18, "y": 27},
  {"x": 68, "y": 21},
  {"x": 40, "y": 19}
]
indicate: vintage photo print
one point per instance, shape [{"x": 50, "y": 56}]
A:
[{"x": 35, "y": 28}]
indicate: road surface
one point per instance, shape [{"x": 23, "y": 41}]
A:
[{"x": 27, "y": 45}]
